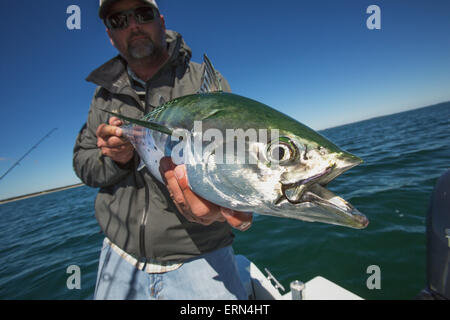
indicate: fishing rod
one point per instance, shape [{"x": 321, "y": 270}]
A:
[{"x": 28, "y": 152}]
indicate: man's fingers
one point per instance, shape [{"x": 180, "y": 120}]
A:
[
  {"x": 201, "y": 207},
  {"x": 113, "y": 142},
  {"x": 114, "y": 121},
  {"x": 193, "y": 207},
  {"x": 166, "y": 164},
  {"x": 239, "y": 220},
  {"x": 116, "y": 142},
  {"x": 121, "y": 154},
  {"x": 167, "y": 172},
  {"x": 104, "y": 131},
  {"x": 123, "y": 148},
  {"x": 181, "y": 200},
  {"x": 175, "y": 190}
]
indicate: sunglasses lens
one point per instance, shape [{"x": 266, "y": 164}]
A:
[
  {"x": 120, "y": 20},
  {"x": 117, "y": 21},
  {"x": 144, "y": 14}
]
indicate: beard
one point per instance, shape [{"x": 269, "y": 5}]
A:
[{"x": 141, "y": 48}]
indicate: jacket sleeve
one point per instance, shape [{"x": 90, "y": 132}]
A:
[{"x": 94, "y": 169}]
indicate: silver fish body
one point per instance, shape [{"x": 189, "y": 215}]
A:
[{"x": 282, "y": 172}]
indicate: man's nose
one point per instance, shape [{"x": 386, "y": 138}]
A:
[{"x": 132, "y": 23}]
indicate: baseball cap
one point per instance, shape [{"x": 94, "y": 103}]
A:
[{"x": 105, "y": 5}]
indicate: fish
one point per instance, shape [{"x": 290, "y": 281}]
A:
[{"x": 244, "y": 155}]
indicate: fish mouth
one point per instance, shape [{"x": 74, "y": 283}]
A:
[{"x": 324, "y": 205}]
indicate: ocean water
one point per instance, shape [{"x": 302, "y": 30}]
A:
[{"x": 404, "y": 155}]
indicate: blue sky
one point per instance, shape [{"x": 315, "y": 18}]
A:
[{"x": 314, "y": 60}]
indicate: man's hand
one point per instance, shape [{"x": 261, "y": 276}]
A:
[
  {"x": 110, "y": 141},
  {"x": 195, "y": 208}
]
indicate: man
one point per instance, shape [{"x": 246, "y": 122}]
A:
[{"x": 162, "y": 241}]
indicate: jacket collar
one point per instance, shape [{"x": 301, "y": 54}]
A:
[{"x": 113, "y": 74}]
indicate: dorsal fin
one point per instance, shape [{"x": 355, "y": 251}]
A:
[{"x": 210, "y": 78}]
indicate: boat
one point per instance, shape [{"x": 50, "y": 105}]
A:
[{"x": 267, "y": 287}]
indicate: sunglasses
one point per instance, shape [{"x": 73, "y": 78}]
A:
[{"x": 141, "y": 15}]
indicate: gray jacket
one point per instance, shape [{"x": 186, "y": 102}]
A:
[{"x": 134, "y": 210}]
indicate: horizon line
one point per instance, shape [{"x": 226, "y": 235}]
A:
[{"x": 384, "y": 115}]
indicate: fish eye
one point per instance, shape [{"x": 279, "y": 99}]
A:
[
  {"x": 279, "y": 152},
  {"x": 282, "y": 150}
]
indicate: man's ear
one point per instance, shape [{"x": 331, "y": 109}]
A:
[
  {"x": 163, "y": 22},
  {"x": 110, "y": 37}
]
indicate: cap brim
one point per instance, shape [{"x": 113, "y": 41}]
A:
[
  {"x": 104, "y": 8},
  {"x": 106, "y": 5}
]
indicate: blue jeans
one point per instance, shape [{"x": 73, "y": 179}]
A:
[{"x": 212, "y": 276}]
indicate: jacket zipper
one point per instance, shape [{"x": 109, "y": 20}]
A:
[{"x": 143, "y": 224}]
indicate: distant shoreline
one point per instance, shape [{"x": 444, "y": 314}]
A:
[{"x": 40, "y": 193}]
